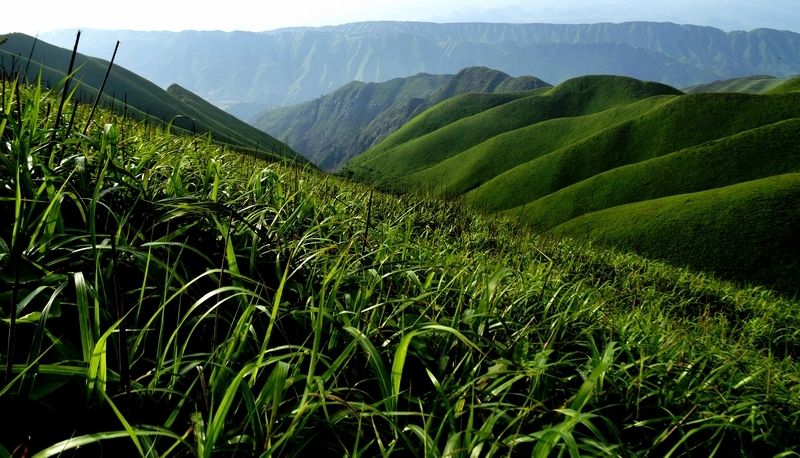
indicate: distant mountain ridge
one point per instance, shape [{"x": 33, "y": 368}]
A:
[
  {"x": 332, "y": 129},
  {"x": 289, "y": 66}
]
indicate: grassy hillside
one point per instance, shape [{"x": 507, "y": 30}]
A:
[
  {"x": 747, "y": 231},
  {"x": 316, "y": 126},
  {"x": 758, "y": 153},
  {"x": 684, "y": 122},
  {"x": 160, "y": 296},
  {"x": 483, "y": 162},
  {"x": 756, "y": 84},
  {"x": 420, "y": 145},
  {"x": 132, "y": 93},
  {"x": 793, "y": 85},
  {"x": 593, "y": 144},
  {"x": 336, "y": 127}
]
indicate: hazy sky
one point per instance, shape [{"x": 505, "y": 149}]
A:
[{"x": 46, "y": 15}]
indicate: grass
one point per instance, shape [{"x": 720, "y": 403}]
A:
[
  {"x": 389, "y": 161},
  {"x": 336, "y": 127},
  {"x": 685, "y": 122},
  {"x": 596, "y": 143},
  {"x": 166, "y": 296},
  {"x": 757, "y": 84},
  {"x": 472, "y": 168},
  {"x": 314, "y": 127},
  {"x": 133, "y": 95},
  {"x": 758, "y": 153},
  {"x": 793, "y": 85},
  {"x": 746, "y": 231}
]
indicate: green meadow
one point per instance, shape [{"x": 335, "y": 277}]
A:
[
  {"x": 165, "y": 295},
  {"x": 596, "y": 143}
]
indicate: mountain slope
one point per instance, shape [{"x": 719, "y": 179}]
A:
[
  {"x": 411, "y": 150},
  {"x": 290, "y": 66},
  {"x": 594, "y": 144},
  {"x": 758, "y": 153},
  {"x": 334, "y": 128},
  {"x": 134, "y": 94},
  {"x": 316, "y": 126},
  {"x": 756, "y": 84},
  {"x": 684, "y": 122},
  {"x": 746, "y": 232}
]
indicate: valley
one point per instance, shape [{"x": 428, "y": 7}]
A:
[{"x": 451, "y": 259}]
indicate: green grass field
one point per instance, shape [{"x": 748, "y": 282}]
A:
[
  {"x": 746, "y": 231},
  {"x": 162, "y": 295},
  {"x": 758, "y": 153},
  {"x": 595, "y": 143},
  {"x": 418, "y": 146}
]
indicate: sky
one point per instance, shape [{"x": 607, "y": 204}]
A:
[{"x": 252, "y": 16}]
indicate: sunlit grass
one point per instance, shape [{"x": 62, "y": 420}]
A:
[{"x": 171, "y": 297}]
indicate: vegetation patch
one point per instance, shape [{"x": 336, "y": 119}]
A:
[
  {"x": 594, "y": 143},
  {"x": 166, "y": 296}
]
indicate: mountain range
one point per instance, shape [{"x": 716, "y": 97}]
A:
[{"x": 290, "y": 66}]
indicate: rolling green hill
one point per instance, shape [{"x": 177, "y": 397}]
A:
[
  {"x": 318, "y": 126},
  {"x": 593, "y": 144},
  {"x": 762, "y": 152},
  {"x": 747, "y": 231},
  {"x": 756, "y": 84},
  {"x": 793, "y": 85},
  {"x": 682, "y": 123},
  {"x": 336, "y": 127},
  {"x": 134, "y": 94},
  {"x": 422, "y": 144}
]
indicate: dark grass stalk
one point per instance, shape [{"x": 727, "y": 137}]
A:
[
  {"x": 122, "y": 347},
  {"x": 366, "y": 225},
  {"x": 100, "y": 92},
  {"x": 64, "y": 94},
  {"x": 71, "y": 123},
  {"x": 219, "y": 285},
  {"x": 12, "y": 327},
  {"x": 30, "y": 56}
]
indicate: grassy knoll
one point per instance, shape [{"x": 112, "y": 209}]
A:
[
  {"x": 163, "y": 296},
  {"x": 315, "y": 126},
  {"x": 683, "y": 123},
  {"x": 472, "y": 168},
  {"x": 793, "y": 85},
  {"x": 391, "y": 160},
  {"x": 758, "y": 153},
  {"x": 756, "y": 84},
  {"x": 747, "y": 231},
  {"x": 332, "y": 129},
  {"x": 583, "y": 147}
]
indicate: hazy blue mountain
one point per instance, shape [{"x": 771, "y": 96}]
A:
[{"x": 289, "y": 66}]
